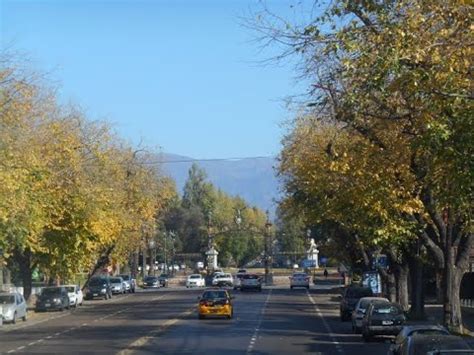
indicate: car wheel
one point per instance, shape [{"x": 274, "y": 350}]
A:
[
  {"x": 291, "y": 287},
  {"x": 259, "y": 289},
  {"x": 14, "y": 318},
  {"x": 367, "y": 338},
  {"x": 200, "y": 316},
  {"x": 25, "y": 317},
  {"x": 307, "y": 287}
]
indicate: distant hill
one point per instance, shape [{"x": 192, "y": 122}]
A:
[{"x": 252, "y": 179}]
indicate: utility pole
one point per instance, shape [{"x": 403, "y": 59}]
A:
[{"x": 268, "y": 253}]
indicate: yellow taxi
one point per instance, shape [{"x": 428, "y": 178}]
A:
[{"x": 215, "y": 302}]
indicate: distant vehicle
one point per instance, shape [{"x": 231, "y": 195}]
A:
[
  {"x": 351, "y": 295},
  {"x": 12, "y": 307},
  {"x": 238, "y": 278},
  {"x": 195, "y": 280},
  {"x": 251, "y": 282},
  {"x": 53, "y": 298},
  {"x": 117, "y": 285},
  {"x": 299, "y": 279},
  {"x": 163, "y": 280},
  {"x": 75, "y": 295},
  {"x": 361, "y": 308},
  {"x": 215, "y": 302},
  {"x": 151, "y": 282},
  {"x": 98, "y": 286},
  {"x": 241, "y": 271},
  {"x": 130, "y": 281},
  {"x": 222, "y": 280},
  {"x": 410, "y": 330},
  {"x": 382, "y": 319},
  {"x": 438, "y": 344}
]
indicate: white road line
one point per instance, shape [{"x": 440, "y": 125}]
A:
[
  {"x": 326, "y": 325},
  {"x": 254, "y": 338},
  {"x": 20, "y": 348}
]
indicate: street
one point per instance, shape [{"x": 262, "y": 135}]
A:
[{"x": 275, "y": 321}]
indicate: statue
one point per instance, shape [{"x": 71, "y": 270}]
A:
[{"x": 312, "y": 253}]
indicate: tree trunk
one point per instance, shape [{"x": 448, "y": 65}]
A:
[
  {"x": 452, "y": 303},
  {"x": 402, "y": 286},
  {"x": 390, "y": 284},
  {"x": 101, "y": 262},
  {"x": 417, "y": 297},
  {"x": 23, "y": 259},
  {"x": 439, "y": 286}
]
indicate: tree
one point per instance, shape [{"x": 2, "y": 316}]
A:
[{"x": 395, "y": 75}]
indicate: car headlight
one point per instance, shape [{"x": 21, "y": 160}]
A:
[
  {"x": 104, "y": 290},
  {"x": 57, "y": 300}
]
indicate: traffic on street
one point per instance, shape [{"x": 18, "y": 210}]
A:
[{"x": 277, "y": 320}]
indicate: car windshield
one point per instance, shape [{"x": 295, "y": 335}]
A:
[
  {"x": 51, "y": 291},
  {"x": 125, "y": 277},
  {"x": 365, "y": 303},
  {"x": 358, "y": 292},
  {"x": 164, "y": 276},
  {"x": 71, "y": 289},
  {"x": 97, "y": 282},
  {"x": 300, "y": 275},
  {"x": 115, "y": 280},
  {"x": 195, "y": 276},
  {"x": 392, "y": 310},
  {"x": 209, "y": 295},
  {"x": 150, "y": 278},
  {"x": 7, "y": 299},
  {"x": 250, "y": 277}
]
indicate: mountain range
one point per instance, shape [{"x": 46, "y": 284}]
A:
[{"x": 253, "y": 179}]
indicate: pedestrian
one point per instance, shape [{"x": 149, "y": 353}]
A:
[{"x": 326, "y": 273}]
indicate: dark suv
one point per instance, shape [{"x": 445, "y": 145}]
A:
[
  {"x": 52, "y": 298},
  {"x": 98, "y": 287},
  {"x": 350, "y": 297}
]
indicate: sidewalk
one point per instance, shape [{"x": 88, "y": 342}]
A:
[{"x": 434, "y": 314}]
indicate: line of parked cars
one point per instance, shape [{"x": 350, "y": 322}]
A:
[
  {"x": 13, "y": 305},
  {"x": 373, "y": 316}
]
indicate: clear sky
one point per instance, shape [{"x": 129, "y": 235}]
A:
[{"x": 177, "y": 74}]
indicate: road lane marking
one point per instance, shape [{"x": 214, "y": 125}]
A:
[
  {"x": 254, "y": 338},
  {"x": 326, "y": 325},
  {"x": 144, "y": 340}
]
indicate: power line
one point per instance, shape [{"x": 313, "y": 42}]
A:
[{"x": 153, "y": 162}]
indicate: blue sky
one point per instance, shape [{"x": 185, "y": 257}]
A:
[{"x": 181, "y": 75}]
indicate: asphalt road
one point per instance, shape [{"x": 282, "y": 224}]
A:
[{"x": 164, "y": 321}]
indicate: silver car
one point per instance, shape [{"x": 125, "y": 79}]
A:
[
  {"x": 13, "y": 306},
  {"x": 117, "y": 285}
]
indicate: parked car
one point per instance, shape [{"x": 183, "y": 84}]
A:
[
  {"x": 53, "y": 298},
  {"x": 351, "y": 295},
  {"x": 98, "y": 286},
  {"x": 382, "y": 319},
  {"x": 75, "y": 294},
  {"x": 251, "y": 282},
  {"x": 299, "y": 279},
  {"x": 215, "y": 302},
  {"x": 163, "y": 280},
  {"x": 117, "y": 285},
  {"x": 361, "y": 308},
  {"x": 195, "y": 280},
  {"x": 151, "y": 282},
  {"x": 129, "y": 281},
  {"x": 410, "y": 330},
  {"x": 13, "y": 307},
  {"x": 222, "y": 280},
  {"x": 438, "y": 344}
]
